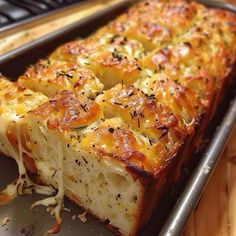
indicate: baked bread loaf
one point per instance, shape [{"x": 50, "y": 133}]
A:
[{"x": 117, "y": 113}]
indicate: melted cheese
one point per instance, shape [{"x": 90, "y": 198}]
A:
[
  {"x": 58, "y": 199},
  {"x": 14, "y": 111},
  {"x": 23, "y": 185}
]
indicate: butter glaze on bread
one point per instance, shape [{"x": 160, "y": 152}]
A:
[{"x": 122, "y": 109}]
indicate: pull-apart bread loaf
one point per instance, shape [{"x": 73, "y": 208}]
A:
[{"x": 108, "y": 120}]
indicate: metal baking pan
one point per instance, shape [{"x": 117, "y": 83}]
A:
[
  {"x": 174, "y": 209},
  {"x": 37, "y": 19}
]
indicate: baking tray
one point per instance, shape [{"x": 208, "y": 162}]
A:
[
  {"x": 43, "y": 17},
  {"x": 175, "y": 207}
]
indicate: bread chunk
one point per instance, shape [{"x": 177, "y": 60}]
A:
[
  {"x": 15, "y": 103},
  {"x": 51, "y": 78}
]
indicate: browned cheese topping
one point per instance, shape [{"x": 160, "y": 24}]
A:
[{"x": 144, "y": 82}]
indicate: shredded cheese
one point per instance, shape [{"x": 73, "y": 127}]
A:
[
  {"x": 83, "y": 217},
  {"x": 23, "y": 185},
  {"x": 5, "y": 221},
  {"x": 58, "y": 199}
]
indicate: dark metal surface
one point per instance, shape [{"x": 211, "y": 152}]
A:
[
  {"x": 25, "y": 12},
  {"x": 180, "y": 205}
]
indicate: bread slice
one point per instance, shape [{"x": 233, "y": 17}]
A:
[
  {"x": 16, "y": 101},
  {"x": 102, "y": 185}
]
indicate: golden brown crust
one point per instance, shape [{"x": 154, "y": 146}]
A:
[
  {"x": 16, "y": 100},
  {"x": 114, "y": 139},
  {"x": 52, "y": 77},
  {"x": 145, "y": 115},
  {"x": 65, "y": 111},
  {"x": 155, "y": 23},
  {"x": 84, "y": 49},
  {"x": 109, "y": 56}
]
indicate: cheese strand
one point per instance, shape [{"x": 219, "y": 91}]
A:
[
  {"x": 58, "y": 200},
  {"x": 23, "y": 185}
]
